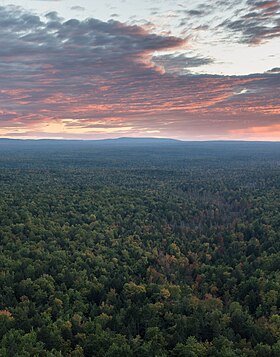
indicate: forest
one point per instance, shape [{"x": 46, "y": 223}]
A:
[{"x": 146, "y": 248}]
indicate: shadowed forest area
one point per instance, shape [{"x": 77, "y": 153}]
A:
[{"x": 139, "y": 247}]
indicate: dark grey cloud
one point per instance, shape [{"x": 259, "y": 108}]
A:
[
  {"x": 196, "y": 13},
  {"x": 274, "y": 70},
  {"x": 180, "y": 63},
  {"x": 257, "y": 23},
  {"x": 78, "y": 8},
  {"x": 65, "y": 42}
]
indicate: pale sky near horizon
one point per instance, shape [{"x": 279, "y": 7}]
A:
[{"x": 187, "y": 69}]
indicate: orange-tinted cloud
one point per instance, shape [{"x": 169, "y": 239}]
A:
[{"x": 269, "y": 132}]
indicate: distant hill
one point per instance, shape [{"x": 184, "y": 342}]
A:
[
  {"x": 129, "y": 142},
  {"x": 140, "y": 141},
  {"x": 123, "y": 141}
]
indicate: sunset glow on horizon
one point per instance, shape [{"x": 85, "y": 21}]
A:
[{"x": 186, "y": 70}]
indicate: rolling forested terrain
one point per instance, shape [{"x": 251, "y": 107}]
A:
[{"x": 139, "y": 248}]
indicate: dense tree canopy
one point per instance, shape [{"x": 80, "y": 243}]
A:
[{"x": 162, "y": 249}]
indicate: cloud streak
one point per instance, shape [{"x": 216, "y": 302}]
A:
[{"x": 257, "y": 23}]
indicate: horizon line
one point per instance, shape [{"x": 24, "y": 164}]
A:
[{"x": 142, "y": 138}]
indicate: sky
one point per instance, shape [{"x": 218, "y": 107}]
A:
[{"x": 191, "y": 70}]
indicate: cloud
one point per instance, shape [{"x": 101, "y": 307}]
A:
[
  {"x": 271, "y": 5},
  {"x": 180, "y": 63},
  {"x": 257, "y": 23},
  {"x": 274, "y": 70},
  {"x": 92, "y": 78},
  {"x": 78, "y": 8},
  {"x": 267, "y": 132}
]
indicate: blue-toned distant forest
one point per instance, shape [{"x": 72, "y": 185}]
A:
[{"x": 139, "y": 247}]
